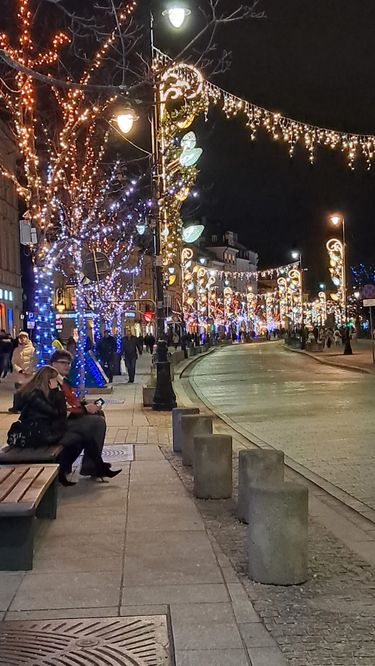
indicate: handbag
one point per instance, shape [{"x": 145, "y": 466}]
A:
[{"x": 25, "y": 434}]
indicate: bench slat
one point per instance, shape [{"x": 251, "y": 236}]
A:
[
  {"x": 23, "y": 485},
  {"x": 36, "y": 491},
  {"x": 43, "y": 454},
  {"x": 11, "y": 481},
  {"x": 4, "y": 473}
]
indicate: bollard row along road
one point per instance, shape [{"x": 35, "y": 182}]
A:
[{"x": 320, "y": 416}]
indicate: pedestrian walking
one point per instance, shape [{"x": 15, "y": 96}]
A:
[
  {"x": 150, "y": 343},
  {"x": 140, "y": 344},
  {"x": 23, "y": 359},
  {"x": 175, "y": 340},
  {"x": 337, "y": 337},
  {"x": 129, "y": 350},
  {"x": 23, "y": 363},
  {"x": 6, "y": 349},
  {"x": 106, "y": 349}
]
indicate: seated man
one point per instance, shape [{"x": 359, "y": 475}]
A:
[{"x": 85, "y": 419}]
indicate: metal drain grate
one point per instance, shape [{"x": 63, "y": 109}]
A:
[
  {"x": 119, "y": 452},
  {"x": 128, "y": 641}
]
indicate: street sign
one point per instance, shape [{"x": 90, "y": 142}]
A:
[
  {"x": 368, "y": 291},
  {"x": 369, "y": 303}
]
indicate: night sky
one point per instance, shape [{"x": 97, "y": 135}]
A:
[{"x": 315, "y": 62}]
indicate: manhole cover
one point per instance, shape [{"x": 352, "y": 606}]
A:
[
  {"x": 120, "y": 452},
  {"x": 128, "y": 641}
]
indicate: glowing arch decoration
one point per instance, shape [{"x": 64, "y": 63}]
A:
[{"x": 335, "y": 251}]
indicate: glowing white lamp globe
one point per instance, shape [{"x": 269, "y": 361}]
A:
[
  {"x": 126, "y": 119},
  {"x": 141, "y": 228},
  {"x": 177, "y": 15}
]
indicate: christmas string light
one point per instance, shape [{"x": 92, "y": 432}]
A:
[{"x": 282, "y": 128}]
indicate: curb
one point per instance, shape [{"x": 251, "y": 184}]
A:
[
  {"x": 348, "y": 500},
  {"x": 353, "y": 368},
  {"x": 192, "y": 360}
]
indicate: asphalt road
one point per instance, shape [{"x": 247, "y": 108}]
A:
[{"x": 322, "y": 417}]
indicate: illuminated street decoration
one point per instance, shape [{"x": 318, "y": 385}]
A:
[
  {"x": 190, "y": 154},
  {"x": 335, "y": 250},
  {"x": 294, "y": 295},
  {"x": 192, "y": 233},
  {"x": 284, "y": 129},
  {"x": 322, "y": 312},
  {"x": 282, "y": 285},
  {"x": 180, "y": 100}
]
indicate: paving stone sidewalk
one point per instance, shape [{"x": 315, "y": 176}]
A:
[
  {"x": 137, "y": 546},
  {"x": 328, "y": 621}
]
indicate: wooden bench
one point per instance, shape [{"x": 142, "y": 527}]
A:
[
  {"x": 26, "y": 491},
  {"x": 43, "y": 454}
]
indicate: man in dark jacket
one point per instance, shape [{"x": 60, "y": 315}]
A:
[
  {"x": 129, "y": 350},
  {"x": 6, "y": 348},
  {"x": 106, "y": 349}
]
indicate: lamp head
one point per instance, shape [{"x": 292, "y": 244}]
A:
[
  {"x": 177, "y": 14},
  {"x": 126, "y": 119},
  {"x": 295, "y": 255},
  {"x": 336, "y": 219}
]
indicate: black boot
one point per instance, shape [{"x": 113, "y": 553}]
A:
[
  {"x": 107, "y": 473},
  {"x": 64, "y": 481}
]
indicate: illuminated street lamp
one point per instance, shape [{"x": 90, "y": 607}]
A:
[
  {"x": 337, "y": 220},
  {"x": 177, "y": 15},
  {"x": 126, "y": 119}
]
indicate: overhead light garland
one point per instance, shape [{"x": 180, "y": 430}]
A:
[{"x": 287, "y": 130}]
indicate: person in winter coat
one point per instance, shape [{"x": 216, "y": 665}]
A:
[
  {"x": 44, "y": 421},
  {"x": 23, "y": 359},
  {"x": 106, "y": 348},
  {"x": 129, "y": 350},
  {"x": 6, "y": 348}
]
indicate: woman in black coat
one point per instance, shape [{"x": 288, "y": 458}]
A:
[{"x": 43, "y": 422}]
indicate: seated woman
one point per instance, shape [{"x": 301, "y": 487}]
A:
[{"x": 43, "y": 422}]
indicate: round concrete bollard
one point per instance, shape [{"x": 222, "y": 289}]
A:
[
  {"x": 277, "y": 534},
  {"x": 191, "y": 426},
  {"x": 177, "y": 412},
  {"x": 213, "y": 466},
  {"x": 257, "y": 466}
]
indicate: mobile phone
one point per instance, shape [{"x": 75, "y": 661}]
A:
[{"x": 99, "y": 402}]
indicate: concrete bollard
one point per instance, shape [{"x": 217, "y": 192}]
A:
[
  {"x": 190, "y": 427},
  {"x": 177, "y": 412},
  {"x": 277, "y": 534},
  {"x": 148, "y": 395},
  {"x": 213, "y": 466},
  {"x": 257, "y": 466}
]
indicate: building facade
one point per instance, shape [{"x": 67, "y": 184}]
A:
[{"x": 10, "y": 268}]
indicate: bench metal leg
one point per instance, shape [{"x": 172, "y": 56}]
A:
[
  {"x": 16, "y": 544},
  {"x": 48, "y": 505}
]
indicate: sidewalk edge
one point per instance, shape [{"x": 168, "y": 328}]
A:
[{"x": 323, "y": 361}]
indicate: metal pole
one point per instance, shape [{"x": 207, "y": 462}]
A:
[
  {"x": 344, "y": 268},
  {"x": 157, "y": 191},
  {"x": 372, "y": 337},
  {"x": 164, "y": 397}
]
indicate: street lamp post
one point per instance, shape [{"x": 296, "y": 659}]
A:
[
  {"x": 336, "y": 220},
  {"x": 297, "y": 256},
  {"x": 164, "y": 398}
]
